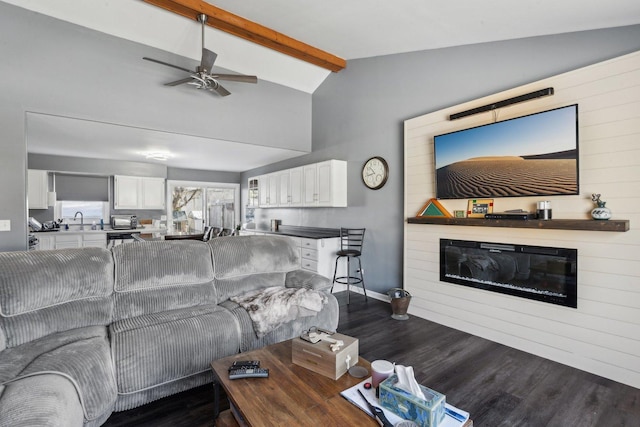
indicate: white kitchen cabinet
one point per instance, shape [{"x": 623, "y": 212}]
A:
[
  {"x": 63, "y": 240},
  {"x": 283, "y": 179},
  {"x": 153, "y": 194},
  {"x": 268, "y": 190},
  {"x": 296, "y": 186},
  {"x": 290, "y": 187},
  {"x": 37, "y": 189},
  {"x": 263, "y": 191},
  {"x": 319, "y": 255},
  {"x": 310, "y": 177},
  {"x": 45, "y": 241},
  {"x": 135, "y": 192},
  {"x": 94, "y": 240},
  {"x": 272, "y": 186},
  {"x": 321, "y": 184},
  {"x": 125, "y": 190},
  {"x": 254, "y": 193},
  {"x": 325, "y": 184}
]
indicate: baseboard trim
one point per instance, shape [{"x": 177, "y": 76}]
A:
[{"x": 338, "y": 287}]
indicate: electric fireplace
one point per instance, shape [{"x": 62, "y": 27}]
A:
[{"x": 536, "y": 272}]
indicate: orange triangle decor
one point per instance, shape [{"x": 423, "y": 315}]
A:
[{"x": 433, "y": 208}]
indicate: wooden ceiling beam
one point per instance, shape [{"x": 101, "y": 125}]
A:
[{"x": 251, "y": 31}]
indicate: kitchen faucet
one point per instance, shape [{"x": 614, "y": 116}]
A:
[{"x": 81, "y": 219}]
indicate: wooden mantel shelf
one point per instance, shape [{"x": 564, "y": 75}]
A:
[{"x": 620, "y": 225}]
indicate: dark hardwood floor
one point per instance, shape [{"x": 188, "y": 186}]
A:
[{"x": 498, "y": 385}]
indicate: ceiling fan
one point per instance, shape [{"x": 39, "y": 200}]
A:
[{"x": 203, "y": 77}]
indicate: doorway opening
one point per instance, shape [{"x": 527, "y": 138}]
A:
[{"x": 192, "y": 206}]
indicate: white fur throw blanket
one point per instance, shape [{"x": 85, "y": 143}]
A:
[{"x": 269, "y": 308}]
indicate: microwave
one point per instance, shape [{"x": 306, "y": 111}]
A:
[{"x": 124, "y": 222}]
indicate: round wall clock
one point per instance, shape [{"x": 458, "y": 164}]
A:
[{"x": 375, "y": 172}]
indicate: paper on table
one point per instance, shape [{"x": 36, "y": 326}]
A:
[{"x": 352, "y": 395}]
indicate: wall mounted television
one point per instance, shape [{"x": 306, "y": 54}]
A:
[{"x": 533, "y": 155}]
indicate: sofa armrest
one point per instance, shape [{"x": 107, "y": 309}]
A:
[{"x": 306, "y": 279}]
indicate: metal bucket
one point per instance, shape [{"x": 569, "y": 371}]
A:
[{"x": 400, "y": 300}]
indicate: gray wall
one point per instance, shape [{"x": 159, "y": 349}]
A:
[
  {"x": 359, "y": 113},
  {"x": 53, "y": 67}
]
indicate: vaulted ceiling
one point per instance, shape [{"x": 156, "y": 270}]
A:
[
  {"x": 342, "y": 29},
  {"x": 348, "y": 29}
]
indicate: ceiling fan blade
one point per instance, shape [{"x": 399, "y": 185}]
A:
[
  {"x": 167, "y": 64},
  {"x": 235, "y": 78},
  {"x": 208, "y": 58},
  {"x": 179, "y": 82},
  {"x": 220, "y": 90}
]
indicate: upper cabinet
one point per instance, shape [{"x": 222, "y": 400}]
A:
[
  {"x": 296, "y": 186},
  {"x": 327, "y": 183},
  {"x": 37, "y": 189},
  {"x": 253, "y": 193},
  {"x": 135, "y": 192},
  {"x": 321, "y": 184},
  {"x": 290, "y": 187}
]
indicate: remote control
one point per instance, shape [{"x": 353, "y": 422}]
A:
[
  {"x": 235, "y": 374},
  {"x": 244, "y": 364}
]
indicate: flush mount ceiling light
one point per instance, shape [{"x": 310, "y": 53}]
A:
[{"x": 162, "y": 156}]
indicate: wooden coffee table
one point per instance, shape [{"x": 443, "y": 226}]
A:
[{"x": 292, "y": 395}]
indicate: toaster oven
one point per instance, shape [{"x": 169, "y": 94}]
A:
[{"x": 124, "y": 222}]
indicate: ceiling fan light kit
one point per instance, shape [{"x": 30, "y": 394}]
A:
[{"x": 203, "y": 77}]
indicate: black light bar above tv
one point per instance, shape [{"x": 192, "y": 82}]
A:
[{"x": 515, "y": 100}]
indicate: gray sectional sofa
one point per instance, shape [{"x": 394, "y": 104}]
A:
[{"x": 85, "y": 332}]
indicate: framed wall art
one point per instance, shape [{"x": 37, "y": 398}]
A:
[{"x": 477, "y": 208}]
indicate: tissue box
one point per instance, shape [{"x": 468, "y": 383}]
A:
[
  {"x": 319, "y": 358},
  {"x": 426, "y": 413}
]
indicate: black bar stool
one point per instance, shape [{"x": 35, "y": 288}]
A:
[{"x": 351, "y": 240}]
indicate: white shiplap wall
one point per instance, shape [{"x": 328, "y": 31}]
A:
[{"x": 602, "y": 335}]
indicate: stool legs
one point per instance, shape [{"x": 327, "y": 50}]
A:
[
  {"x": 361, "y": 271},
  {"x": 335, "y": 272},
  {"x": 349, "y": 279}
]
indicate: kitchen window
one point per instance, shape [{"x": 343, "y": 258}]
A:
[{"x": 91, "y": 211}]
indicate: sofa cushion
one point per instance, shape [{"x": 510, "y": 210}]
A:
[
  {"x": 44, "y": 292},
  {"x": 245, "y": 263},
  {"x": 155, "y": 349},
  {"x": 81, "y": 356},
  {"x": 307, "y": 279},
  {"x": 46, "y": 400},
  {"x": 152, "y": 277}
]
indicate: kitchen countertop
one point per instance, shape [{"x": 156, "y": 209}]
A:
[
  {"x": 283, "y": 230},
  {"x": 108, "y": 230},
  {"x": 299, "y": 231}
]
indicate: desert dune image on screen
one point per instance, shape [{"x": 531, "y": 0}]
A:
[{"x": 534, "y": 155}]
